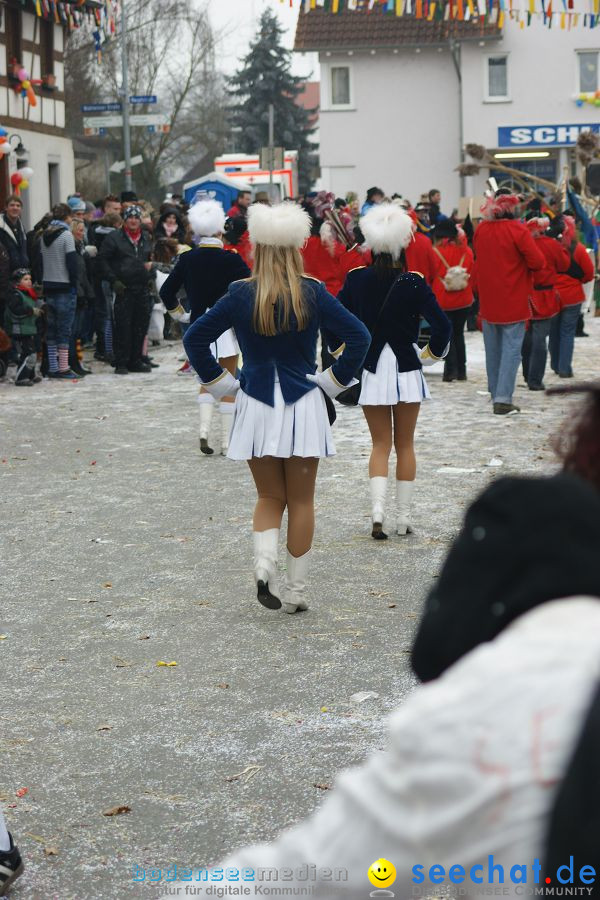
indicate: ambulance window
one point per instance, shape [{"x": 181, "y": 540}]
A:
[
  {"x": 588, "y": 72},
  {"x": 497, "y": 78}
]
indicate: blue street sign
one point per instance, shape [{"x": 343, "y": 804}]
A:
[
  {"x": 101, "y": 107},
  {"x": 151, "y": 129},
  {"x": 102, "y": 132},
  {"x": 543, "y": 135},
  {"x": 144, "y": 98}
]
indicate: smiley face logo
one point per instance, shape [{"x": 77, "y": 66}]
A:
[{"x": 382, "y": 873}]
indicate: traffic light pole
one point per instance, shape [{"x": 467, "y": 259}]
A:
[{"x": 125, "y": 101}]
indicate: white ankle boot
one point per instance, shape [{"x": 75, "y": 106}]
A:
[
  {"x": 266, "y": 550},
  {"x": 226, "y": 410},
  {"x": 295, "y": 583},
  {"x": 205, "y": 408},
  {"x": 404, "y": 491},
  {"x": 378, "y": 486}
]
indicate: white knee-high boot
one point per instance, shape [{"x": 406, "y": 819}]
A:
[
  {"x": 205, "y": 407},
  {"x": 378, "y": 485},
  {"x": 404, "y": 492},
  {"x": 295, "y": 582},
  {"x": 266, "y": 551},
  {"x": 226, "y": 410}
]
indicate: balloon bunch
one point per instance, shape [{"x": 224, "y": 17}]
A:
[
  {"x": 20, "y": 179},
  {"x": 4, "y": 145},
  {"x": 25, "y": 83},
  {"x": 593, "y": 98}
]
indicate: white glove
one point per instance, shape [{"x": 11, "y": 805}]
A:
[
  {"x": 179, "y": 314},
  {"x": 326, "y": 381},
  {"x": 91, "y": 250},
  {"x": 425, "y": 356},
  {"x": 224, "y": 386}
]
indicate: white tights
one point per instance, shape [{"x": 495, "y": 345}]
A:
[{"x": 4, "y": 838}]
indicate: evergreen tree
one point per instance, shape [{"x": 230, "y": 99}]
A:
[{"x": 265, "y": 78}]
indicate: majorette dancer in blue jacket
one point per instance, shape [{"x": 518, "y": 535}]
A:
[
  {"x": 391, "y": 302},
  {"x": 280, "y": 425}
]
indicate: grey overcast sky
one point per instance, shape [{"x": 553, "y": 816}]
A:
[{"x": 236, "y": 20}]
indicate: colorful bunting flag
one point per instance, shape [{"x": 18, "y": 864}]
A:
[{"x": 566, "y": 14}]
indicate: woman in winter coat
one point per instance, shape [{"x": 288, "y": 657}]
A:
[
  {"x": 570, "y": 289},
  {"x": 85, "y": 298},
  {"x": 463, "y": 794},
  {"x": 171, "y": 225},
  {"x": 544, "y": 302},
  {"x": 505, "y": 258},
  {"x": 281, "y": 424},
  {"x": 453, "y": 292},
  {"x": 391, "y": 301}
]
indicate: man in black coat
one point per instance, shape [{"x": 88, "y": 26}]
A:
[
  {"x": 124, "y": 261},
  {"x": 12, "y": 233}
]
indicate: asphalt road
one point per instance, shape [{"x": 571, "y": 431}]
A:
[{"x": 122, "y": 546}]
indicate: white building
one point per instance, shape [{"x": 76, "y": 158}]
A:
[
  {"x": 37, "y": 44},
  {"x": 400, "y": 96}
]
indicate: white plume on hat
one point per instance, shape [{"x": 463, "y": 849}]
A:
[
  {"x": 207, "y": 217},
  {"x": 387, "y": 229},
  {"x": 285, "y": 225}
]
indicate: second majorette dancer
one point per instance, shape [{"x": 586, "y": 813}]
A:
[
  {"x": 391, "y": 302},
  {"x": 281, "y": 424},
  {"x": 205, "y": 273}
]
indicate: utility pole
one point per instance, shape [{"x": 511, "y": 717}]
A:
[
  {"x": 125, "y": 101},
  {"x": 271, "y": 142}
]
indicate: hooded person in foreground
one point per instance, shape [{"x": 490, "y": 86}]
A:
[{"x": 509, "y": 644}]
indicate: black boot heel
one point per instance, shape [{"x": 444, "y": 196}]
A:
[
  {"x": 378, "y": 533},
  {"x": 265, "y": 597},
  {"x": 204, "y": 448}
]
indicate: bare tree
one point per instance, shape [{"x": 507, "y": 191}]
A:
[{"x": 171, "y": 49}]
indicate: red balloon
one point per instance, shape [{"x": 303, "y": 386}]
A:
[{"x": 16, "y": 178}]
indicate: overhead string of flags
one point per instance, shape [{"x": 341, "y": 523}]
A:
[
  {"x": 101, "y": 15},
  {"x": 562, "y": 14}
]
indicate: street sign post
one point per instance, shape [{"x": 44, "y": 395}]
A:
[
  {"x": 157, "y": 120},
  {"x": 101, "y": 107},
  {"x": 120, "y": 165}
]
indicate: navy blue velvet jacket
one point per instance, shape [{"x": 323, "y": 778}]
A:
[
  {"x": 205, "y": 273},
  {"x": 290, "y": 354},
  {"x": 364, "y": 292}
]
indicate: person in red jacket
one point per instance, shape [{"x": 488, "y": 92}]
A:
[
  {"x": 570, "y": 289},
  {"x": 236, "y": 238},
  {"x": 505, "y": 258},
  {"x": 544, "y": 302},
  {"x": 450, "y": 253},
  {"x": 419, "y": 254}
]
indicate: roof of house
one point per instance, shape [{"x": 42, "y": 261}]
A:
[{"x": 319, "y": 29}]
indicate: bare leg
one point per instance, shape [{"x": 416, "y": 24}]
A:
[
  {"x": 269, "y": 478},
  {"x": 405, "y": 420},
  {"x": 379, "y": 421},
  {"x": 300, "y": 479}
]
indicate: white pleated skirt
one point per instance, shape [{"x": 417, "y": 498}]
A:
[
  {"x": 286, "y": 429},
  {"x": 387, "y": 386},
  {"x": 225, "y": 345}
]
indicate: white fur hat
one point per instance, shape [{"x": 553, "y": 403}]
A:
[
  {"x": 207, "y": 217},
  {"x": 387, "y": 229},
  {"x": 285, "y": 225}
]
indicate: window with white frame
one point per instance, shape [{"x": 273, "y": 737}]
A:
[
  {"x": 339, "y": 81},
  {"x": 496, "y": 78},
  {"x": 588, "y": 71}
]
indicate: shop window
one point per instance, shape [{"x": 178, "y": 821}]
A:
[
  {"x": 340, "y": 85},
  {"x": 13, "y": 32},
  {"x": 47, "y": 47},
  {"x": 496, "y": 78},
  {"x": 588, "y": 71}
]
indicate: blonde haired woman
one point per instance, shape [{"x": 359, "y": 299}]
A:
[
  {"x": 391, "y": 302},
  {"x": 280, "y": 425}
]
